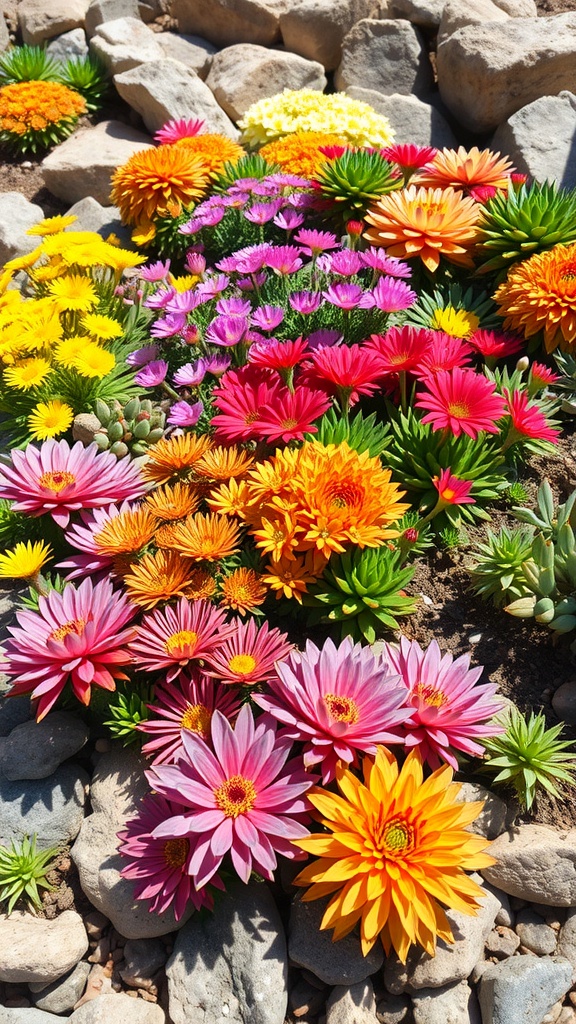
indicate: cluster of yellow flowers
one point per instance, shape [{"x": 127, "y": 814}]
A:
[{"x": 306, "y": 110}]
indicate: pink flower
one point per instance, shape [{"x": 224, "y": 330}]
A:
[
  {"x": 58, "y": 480},
  {"x": 155, "y": 271},
  {"x": 292, "y": 414},
  {"x": 227, "y": 330},
  {"x": 182, "y": 414},
  {"x": 378, "y": 260},
  {"x": 141, "y": 356},
  {"x": 173, "y": 638},
  {"x": 153, "y": 373},
  {"x": 268, "y": 317},
  {"x": 160, "y": 867},
  {"x": 284, "y": 259},
  {"x": 305, "y": 302},
  {"x": 240, "y": 397},
  {"x": 401, "y": 348},
  {"x": 338, "y": 701},
  {"x": 528, "y": 420},
  {"x": 249, "y": 656},
  {"x": 449, "y": 712},
  {"x": 179, "y": 128},
  {"x": 541, "y": 377},
  {"x": 191, "y": 374},
  {"x": 345, "y": 370},
  {"x": 278, "y": 355},
  {"x": 348, "y": 296},
  {"x": 392, "y": 295},
  {"x": 452, "y": 490},
  {"x": 84, "y": 536},
  {"x": 461, "y": 401},
  {"x": 443, "y": 352},
  {"x": 495, "y": 344},
  {"x": 242, "y": 799},
  {"x": 314, "y": 242},
  {"x": 408, "y": 156},
  {"x": 74, "y": 637}
]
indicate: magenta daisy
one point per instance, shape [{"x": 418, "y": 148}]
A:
[
  {"x": 541, "y": 377},
  {"x": 172, "y": 638},
  {"x": 249, "y": 656},
  {"x": 160, "y": 867},
  {"x": 292, "y": 415},
  {"x": 495, "y": 344},
  {"x": 240, "y": 398},
  {"x": 444, "y": 352},
  {"x": 449, "y": 712},
  {"x": 401, "y": 348},
  {"x": 345, "y": 370},
  {"x": 392, "y": 295},
  {"x": 338, "y": 701},
  {"x": 58, "y": 480},
  {"x": 186, "y": 705},
  {"x": 242, "y": 798},
  {"x": 77, "y": 637},
  {"x": 314, "y": 242},
  {"x": 528, "y": 420},
  {"x": 461, "y": 401},
  {"x": 452, "y": 490},
  {"x": 179, "y": 128}
]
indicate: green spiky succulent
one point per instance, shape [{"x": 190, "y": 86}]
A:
[
  {"x": 529, "y": 756},
  {"x": 355, "y": 180},
  {"x": 28, "y": 64},
  {"x": 363, "y": 591},
  {"x": 129, "y": 428},
  {"x": 250, "y": 166},
  {"x": 362, "y": 433},
  {"x": 566, "y": 386},
  {"x": 498, "y": 573},
  {"x": 88, "y": 76},
  {"x": 518, "y": 223},
  {"x": 128, "y": 708},
  {"x": 453, "y": 297},
  {"x": 23, "y": 871}
]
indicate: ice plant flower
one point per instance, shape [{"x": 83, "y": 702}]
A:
[
  {"x": 295, "y": 110},
  {"x": 242, "y": 798},
  {"x": 179, "y": 636},
  {"x": 152, "y": 374},
  {"x": 249, "y": 656},
  {"x": 345, "y": 370},
  {"x": 57, "y": 479},
  {"x": 539, "y": 294},
  {"x": 49, "y": 418},
  {"x": 25, "y": 560},
  {"x": 292, "y": 414},
  {"x": 466, "y": 170},
  {"x": 242, "y": 590},
  {"x": 179, "y": 128},
  {"x": 450, "y": 712},
  {"x": 77, "y": 637},
  {"x": 461, "y": 401},
  {"x": 337, "y": 701},
  {"x": 182, "y": 414},
  {"x": 398, "y": 850},
  {"x": 493, "y": 345},
  {"x": 527, "y": 419},
  {"x": 401, "y": 349},
  {"x": 452, "y": 490}
]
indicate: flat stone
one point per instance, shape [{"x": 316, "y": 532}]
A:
[
  {"x": 162, "y": 90},
  {"x": 352, "y": 1005},
  {"x": 100, "y": 11},
  {"x": 125, "y": 43},
  {"x": 454, "y": 1004},
  {"x": 488, "y": 72},
  {"x": 193, "y": 51},
  {"x": 426, "y": 13},
  {"x": 502, "y": 942},
  {"x": 243, "y": 74},
  {"x": 518, "y": 8},
  {"x": 335, "y": 963},
  {"x": 118, "y": 1008},
  {"x": 83, "y": 164},
  {"x": 535, "y": 863},
  {"x": 395, "y": 1010},
  {"x": 225, "y": 22},
  {"x": 68, "y": 45},
  {"x": 316, "y": 28},
  {"x": 104, "y": 220},
  {"x": 491, "y": 821},
  {"x": 540, "y": 141},
  {"x": 35, "y": 949},
  {"x": 52, "y": 808},
  {"x": 231, "y": 965},
  {"x": 16, "y": 216},
  {"x": 412, "y": 120},
  {"x": 523, "y": 989},
  {"x": 61, "y": 995},
  {"x": 26, "y": 1015},
  {"x": 387, "y": 56},
  {"x": 534, "y": 933},
  {"x": 118, "y": 783},
  {"x": 39, "y": 20},
  {"x": 564, "y": 699},
  {"x": 459, "y": 13},
  {"x": 143, "y": 958},
  {"x": 34, "y": 750}
]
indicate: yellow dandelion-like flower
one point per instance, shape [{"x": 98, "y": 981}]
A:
[
  {"x": 306, "y": 110},
  {"x": 539, "y": 294},
  {"x": 24, "y": 262},
  {"x": 67, "y": 350},
  {"x": 104, "y": 328},
  {"x": 459, "y": 323},
  {"x": 74, "y": 292},
  {"x": 299, "y": 153},
  {"x": 48, "y": 419},
  {"x": 27, "y": 374},
  {"x": 24, "y": 560},
  {"x": 93, "y": 361},
  {"x": 52, "y": 225},
  {"x": 184, "y": 282}
]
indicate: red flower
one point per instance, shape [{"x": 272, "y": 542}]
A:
[
  {"x": 240, "y": 397},
  {"x": 461, "y": 401},
  {"x": 344, "y": 370},
  {"x": 528, "y": 420},
  {"x": 495, "y": 344},
  {"x": 278, "y": 355},
  {"x": 408, "y": 156},
  {"x": 443, "y": 353},
  {"x": 291, "y": 415},
  {"x": 541, "y": 376},
  {"x": 401, "y": 348},
  {"x": 452, "y": 490}
]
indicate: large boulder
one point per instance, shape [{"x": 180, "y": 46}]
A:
[
  {"x": 52, "y": 808},
  {"x": 83, "y": 165},
  {"x": 488, "y": 72},
  {"x": 125, "y": 43},
  {"x": 523, "y": 989},
  {"x": 101, "y": 11},
  {"x": 194, "y": 52},
  {"x": 114, "y": 1008},
  {"x": 243, "y": 74},
  {"x": 225, "y": 22},
  {"x": 34, "y": 750},
  {"x": 412, "y": 119},
  {"x": 388, "y": 56},
  {"x": 39, "y": 21},
  {"x": 335, "y": 963},
  {"x": 315, "y": 28},
  {"x": 535, "y": 863},
  {"x": 459, "y": 13},
  {"x": 17, "y": 214},
  {"x": 37, "y": 950},
  {"x": 541, "y": 141}
]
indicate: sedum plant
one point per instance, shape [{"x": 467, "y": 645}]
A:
[
  {"x": 128, "y": 428},
  {"x": 23, "y": 872},
  {"x": 498, "y": 575},
  {"x": 529, "y": 756}
]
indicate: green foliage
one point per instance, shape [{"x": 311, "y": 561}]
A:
[
  {"x": 516, "y": 494},
  {"x": 355, "y": 180},
  {"x": 128, "y": 708},
  {"x": 363, "y": 433},
  {"x": 413, "y": 539},
  {"x": 23, "y": 871},
  {"x": 128, "y": 428},
  {"x": 566, "y": 386},
  {"x": 28, "y": 64},
  {"x": 50, "y": 582},
  {"x": 450, "y": 537},
  {"x": 548, "y": 518},
  {"x": 251, "y": 166},
  {"x": 168, "y": 240},
  {"x": 518, "y": 223},
  {"x": 529, "y": 756},
  {"x": 14, "y": 526},
  {"x": 473, "y": 299},
  {"x": 363, "y": 591},
  {"x": 498, "y": 574},
  {"x": 88, "y": 76}
]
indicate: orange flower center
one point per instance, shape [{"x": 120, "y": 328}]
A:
[
  {"x": 242, "y": 664},
  {"x": 196, "y": 718},
  {"x": 74, "y": 626},
  {"x": 430, "y": 695},
  {"x": 235, "y": 796},
  {"x": 342, "y": 709},
  {"x": 447, "y": 494},
  {"x": 182, "y": 644},
  {"x": 459, "y": 409},
  {"x": 569, "y": 271},
  {"x": 289, "y": 424},
  {"x": 56, "y": 481},
  {"x": 175, "y": 852}
]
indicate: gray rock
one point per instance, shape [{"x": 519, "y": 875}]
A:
[
  {"x": 491, "y": 821},
  {"x": 165, "y": 89},
  {"x": 26, "y": 1015},
  {"x": 34, "y": 750},
  {"x": 13, "y": 711},
  {"x": 454, "y": 1004},
  {"x": 231, "y": 965},
  {"x": 411, "y": 118},
  {"x": 118, "y": 1008},
  {"x": 52, "y": 808},
  {"x": 523, "y": 989},
  {"x": 69, "y": 44},
  {"x": 459, "y": 13},
  {"x": 4, "y": 34},
  {"x": 61, "y": 995},
  {"x": 353, "y": 1005},
  {"x": 143, "y": 958},
  {"x": 518, "y": 8},
  {"x": 505, "y": 915},
  {"x": 118, "y": 783},
  {"x": 503, "y": 942},
  {"x": 101, "y": 11},
  {"x": 488, "y": 72},
  {"x": 194, "y": 52},
  {"x": 104, "y": 220},
  {"x": 535, "y": 863},
  {"x": 125, "y": 43},
  {"x": 39, "y": 21},
  {"x": 336, "y": 963},
  {"x": 387, "y": 56},
  {"x": 315, "y": 28},
  {"x": 534, "y": 933},
  {"x": 426, "y": 13},
  {"x": 453, "y": 961},
  {"x": 225, "y": 22},
  {"x": 395, "y": 1010},
  {"x": 83, "y": 164},
  {"x": 243, "y": 74},
  {"x": 16, "y": 216},
  {"x": 567, "y": 940},
  {"x": 34, "y": 949},
  {"x": 564, "y": 699},
  {"x": 540, "y": 140}
]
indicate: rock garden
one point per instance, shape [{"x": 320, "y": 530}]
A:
[{"x": 287, "y": 511}]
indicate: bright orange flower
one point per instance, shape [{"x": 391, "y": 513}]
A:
[
  {"x": 299, "y": 153},
  {"x": 202, "y": 585},
  {"x": 231, "y": 499},
  {"x": 539, "y": 294},
  {"x": 127, "y": 532},
  {"x": 222, "y": 463},
  {"x": 174, "y": 456},
  {"x": 37, "y": 114},
  {"x": 464, "y": 169},
  {"x": 243, "y": 590},
  {"x": 213, "y": 150},
  {"x": 173, "y": 501},
  {"x": 290, "y": 577},
  {"x": 158, "y": 182},
  {"x": 158, "y": 577},
  {"x": 205, "y": 537},
  {"x": 277, "y": 536}
]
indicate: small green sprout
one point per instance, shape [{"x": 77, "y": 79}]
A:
[{"x": 23, "y": 872}]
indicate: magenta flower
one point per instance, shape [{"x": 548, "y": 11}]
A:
[
  {"x": 378, "y": 260},
  {"x": 143, "y": 355},
  {"x": 160, "y": 867},
  {"x": 152, "y": 374},
  {"x": 268, "y": 317},
  {"x": 449, "y": 712},
  {"x": 76, "y": 637},
  {"x": 338, "y": 701},
  {"x": 182, "y": 414},
  {"x": 288, "y": 220},
  {"x": 218, "y": 363},
  {"x": 391, "y": 295},
  {"x": 323, "y": 338},
  {"x": 185, "y": 302},
  {"x": 248, "y": 656},
  {"x": 160, "y": 298},
  {"x": 452, "y": 490},
  {"x": 168, "y": 326},
  {"x": 155, "y": 271},
  {"x": 443, "y": 352},
  {"x": 345, "y": 262},
  {"x": 227, "y": 330},
  {"x": 345, "y": 370},
  {"x": 348, "y": 296},
  {"x": 461, "y": 401},
  {"x": 292, "y": 415},
  {"x": 242, "y": 799},
  {"x": 305, "y": 302},
  {"x": 240, "y": 398},
  {"x": 179, "y": 128},
  {"x": 284, "y": 259},
  {"x": 195, "y": 263},
  {"x": 191, "y": 374},
  {"x": 234, "y": 307},
  {"x": 314, "y": 242},
  {"x": 261, "y": 213},
  {"x": 58, "y": 480},
  {"x": 249, "y": 260},
  {"x": 212, "y": 287},
  {"x": 173, "y": 638},
  {"x": 278, "y": 355}
]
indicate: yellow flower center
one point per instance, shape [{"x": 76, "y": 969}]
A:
[
  {"x": 235, "y": 796},
  {"x": 56, "y": 481},
  {"x": 242, "y": 664},
  {"x": 342, "y": 709},
  {"x": 397, "y": 836},
  {"x": 430, "y": 695},
  {"x": 175, "y": 852},
  {"x": 196, "y": 718},
  {"x": 459, "y": 409},
  {"x": 447, "y": 494},
  {"x": 289, "y": 424},
  {"x": 74, "y": 626},
  {"x": 181, "y": 644}
]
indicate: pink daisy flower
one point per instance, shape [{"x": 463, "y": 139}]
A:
[
  {"x": 179, "y": 128},
  {"x": 314, "y": 242},
  {"x": 338, "y": 701},
  {"x": 401, "y": 349},
  {"x": 278, "y": 355},
  {"x": 292, "y": 415},
  {"x": 449, "y": 712},
  {"x": 240, "y": 398},
  {"x": 186, "y": 705},
  {"x": 172, "y": 638},
  {"x": 346, "y": 370},
  {"x": 541, "y": 377},
  {"x": 392, "y": 295},
  {"x": 528, "y": 420},
  {"x": 160, "y": 867},
  {"x": 249, "y": 656},
  {"x": 461, "y": 401},
  {"x": 242, "y": 798},
  {"x": 444, "y": 352},
  {"x": 58, "y": 480},
  {"x": 378, "y": 260},
  {"x": 495, "y": 344},
  {"x": 409, "y": 156},
  {"x": 452, "y": 490},
  {"x": 76, "y": 637}
]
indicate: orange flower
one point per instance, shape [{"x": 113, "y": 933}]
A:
[
  {"x": 230, "y": 499},
  {"x": 171, "y": 456},
  {"x": 38, "y": 114},
  {"x": 222, "y": 463},
  {"x": 158, "y": 182},
  {"x": 299, "y": 153},
  {"x": 425, "y": 222},
  {"x": 158, "y": 577},
  {"x": 213, "y": 150},
  {"x": 463, "y": 169},
  {"x": 209, "y": 537},
  {"x": 539, "y": 294},
  {"x": 290, "y": 577},
  {"x": 202, "y": 585},
  {"x": 127, "y": 532},
  {"x": 277, "y": 536},
  {"x": 243, "y": 590},
  {"x": 173, "y": 501}
]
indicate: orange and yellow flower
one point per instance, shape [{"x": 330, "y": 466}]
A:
[
  {"x": 290, "y": 577},
  {"x": 126, "y": 533},
  {"x": 173, "y": 501},
  {"x": 242, "y": 590},
  {"x": 539, "y": 294},
  {"x": 299, "y": 153},
  {"x": 36, "y": 114},
  {"x": 214, "y": 150},
  {"x": 158, "y": 577},
  {"x": 173, "y": 456},
  {"x": 222, "y": 463},
  {"x": 465, "y": 169},
  {"x": 205, "y": 537}
]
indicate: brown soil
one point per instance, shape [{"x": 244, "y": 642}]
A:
[{"x": 548, "y": 7}]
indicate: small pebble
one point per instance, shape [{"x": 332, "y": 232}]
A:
[
  {"x": 95, "y": 923},
  {"x": 475, "y": 638},
  {"x": 502, "y": 942}
]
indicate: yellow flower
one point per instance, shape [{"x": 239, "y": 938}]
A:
[
  {"x": 458, "y": 323},
  {"x": 539, "y": 294},
  {"x": 399, "y": 849},
  {"x": 24, "y": 262},
  {"x": 27, "y": 374},
  {"x": 102, "y": 327},
  {"x": 74, "y": 292},
  {"x": 24, "y": 560},
  {"x": 52, "y": 225},
  {"x": 184, "y": 282},
  {"x": 93, "y": 361},
  {"x": 48, "y": 419},
  {"x": 306, "y": 110},
  {"x": 69, "y": 349}
]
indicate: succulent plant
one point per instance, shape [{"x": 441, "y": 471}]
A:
[
  {"x": 28, "y": 64},
  {"x": 363, "y": 433},
  {"x": 498, "y": 574},
  {"x": 129, "y": 428},
  {"x": 355, "y": 180},
  {"x": 88, "y": 76},
  {"x": 23, "y": 872},
  {"x": 128, "y": 707},
  {"x": 250, "y": 166},
  {"x": 517, "y": 223}
]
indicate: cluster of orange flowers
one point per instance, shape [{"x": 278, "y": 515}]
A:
[
  {"x": 300, "y": 153},
  {"x": 34, "y": 107}
]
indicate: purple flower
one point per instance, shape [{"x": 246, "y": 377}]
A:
[
  {"x": 261, "y": 213},
  {"x": 284, "y": 259},
  {"x": 248, "y": 284},
  {"x": 191, "y": 227},
  {"x": 346, "y": 262},
  {"x": 182, "y": 414},
  {"x": 268, "y": 317},
  {"x": 212, "y": 217},
  {"x": 152, "y": 374},
  {"x": 288, "y": 220},
  {"x": 141, "y": 356},
  {"x": 213, "y": 286},
  {"x": 155, "y": 271},
  {"x": 236, "y": 200},
  {"x": 227, "y": 330},
  {"x": 195, "y": 263},
  {"x": 170, "y": 325},
  {"x": 378, "y": 260},
  {"x": 290, "y": 180},
  {"x": 265, "y": 188},
  {"x": 392, "y": 295},
  {"x": 218, "y": 363},
  {"x": 305, "y": 302},
  {"x": 348, "y": 296},
  {"x": 234, "y": 307},
  {"x": 185, "y": 302},
  {"x": 243, "y": 183},
  {"x": 191, "y": 374},
  {"x": 314, "y": 242},
  {"x": 323, "y": 338},
  {"x": 160, "y": 299},
  {"x": 249, "y": 260}
]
